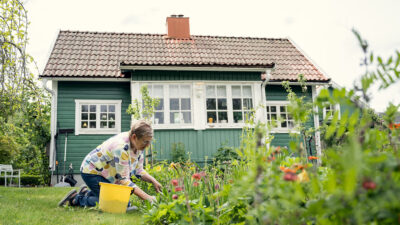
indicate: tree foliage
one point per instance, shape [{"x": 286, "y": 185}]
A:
[{"x": 24, "y": 106}]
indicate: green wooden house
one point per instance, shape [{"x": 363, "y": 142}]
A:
[{"x": 206, "y": 85}]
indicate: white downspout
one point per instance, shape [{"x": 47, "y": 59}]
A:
[
  {"x": 53, "y": 124},
  {"x": 264, "y": 98},
  {"x": 316, "y": 126}
]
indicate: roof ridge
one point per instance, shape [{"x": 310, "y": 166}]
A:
[{"x": 155, "y": 34}]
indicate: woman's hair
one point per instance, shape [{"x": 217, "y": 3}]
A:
[{"x": 141, "y": 128}]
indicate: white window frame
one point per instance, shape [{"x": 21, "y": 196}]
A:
[
  {"x": 165, "y": 84},
  {"x": 335, "y": 107},
  {"x": 230, "y": 123},
  {"x": 97, "y": 130},
  {"x": 279, "y": 129}
]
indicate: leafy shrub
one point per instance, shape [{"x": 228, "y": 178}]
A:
[
  {"x": 178, "y": 153},
  {"x": 226, "y": 154},
  {"x": 26, "y": 180}
]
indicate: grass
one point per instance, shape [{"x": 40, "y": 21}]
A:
[{"x": 39, "y": 206}]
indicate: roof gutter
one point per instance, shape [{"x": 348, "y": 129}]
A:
[
  {"x": 198, "y": 68},
  {"x": 53, "y": 126}
]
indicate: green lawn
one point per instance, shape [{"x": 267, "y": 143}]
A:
[{"x": 39, "y": 206}]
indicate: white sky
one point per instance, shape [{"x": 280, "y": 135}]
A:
[{"x": 321, "y": 28}]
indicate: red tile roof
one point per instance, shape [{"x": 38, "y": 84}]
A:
[{"x": 95, "y": 54}]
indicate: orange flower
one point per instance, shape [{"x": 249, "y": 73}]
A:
[
  {"x": 312, "y": 157},
  {"x": 196, "y": 176},
  {"x": 174, "y": 182},
  {"x": 287, "y": 170},
  {"x": 178, "y": 189}
]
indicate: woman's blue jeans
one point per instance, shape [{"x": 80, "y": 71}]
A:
[{"x": 92, "y": 197}]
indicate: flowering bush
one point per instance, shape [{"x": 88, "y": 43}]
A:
[{"x": 358, "y": 181}]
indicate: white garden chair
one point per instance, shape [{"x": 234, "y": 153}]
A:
[{"x": 7, "y": 171}]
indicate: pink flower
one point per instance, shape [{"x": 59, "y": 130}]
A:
[
  {"x": 178, "y": 189},
  {"x": 174, "y": 182},
  {"x": 174, "y": 196},
  {"x": 195, "y": 184},
  {"x": 216, "y": 186},
  {"x": 202, "y": 173},
  {"x": 290, "y": 176},
  {"x": 196, "y": 176}
]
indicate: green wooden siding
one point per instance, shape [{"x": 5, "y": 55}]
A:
[
  {"x": 200, "y": 143},
  {"x": 150, "y": 75},
  {"x": 79, "y": 145},
  {"x": 278, "y": 93}
]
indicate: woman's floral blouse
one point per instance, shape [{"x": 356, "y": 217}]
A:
[{"x": 115, "y": 161}]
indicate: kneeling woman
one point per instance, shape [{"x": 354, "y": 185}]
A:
[{"x": 114, "y": 161}]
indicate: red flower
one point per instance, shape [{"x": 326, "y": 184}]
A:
[
  {"x": 195, "y": 184},
  {"x": 312, "y": 157},
  {"x": 174, "y": 196},
  {"x": 174, "y": 182},
  {"x": 178, "y": 189},
  {"x": 369, "y": 185},
  {"x": 196, "y": 176},
  {"x": 290, "y": 176}
]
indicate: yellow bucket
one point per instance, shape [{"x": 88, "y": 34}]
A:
[{"x": 114, "y": 198}]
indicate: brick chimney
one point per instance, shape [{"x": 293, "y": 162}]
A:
[{"x": 178, "y": 27}]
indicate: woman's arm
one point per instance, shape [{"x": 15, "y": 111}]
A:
[
  {"x": 148, "y": 178},
  {"x": 143, "y": 195}
]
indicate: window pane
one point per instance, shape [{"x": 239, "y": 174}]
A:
[
  {"x": 247, "y": 103},
  {"x": 237, "y": 103},
  {"x": 187, "y": 117},
  {"x": 210, "y": 91},
  {"x": 222, "y": 117},
  {"x": 247, "y": 115},
  {"x": 211, "y": 103},
  {"x": 92, "y": 116},
  {"x": 158, "y": 91},
  {"x": 284, "y": 124},
  {"x": 290, "y": 124},
  {"x": 221, "y": 91},
  {"x": 236, "y": 92},
  {"x": 111, "y": 124},
  {"x": 159, "y": 118},
  {"x": 237, "y": 117},
  {"x": 84, "y": 116},
  {"x": 222, "y": 103},
  {"x": 185, "y": 91},
  {"x": 111, "y": 116},
  {"x": 103, "y": 108},
  {"x": 283, "y": 108},
  {"x": 173, "y": 90},
  {"x": 273, "y": 108},
  {"x": 84, "y": 124},
  {"x": 149, "y": 88},
  {"x": 111, "y": 108},
  {"x": 92, "y": 108},
  {"x": 103, "y": 116},
  {"x": 160, "y": 105},
  {"x": 268, "y": 117},
  {"x": 84, "y": 108},
  {"x": 175, "y": 117},
  {"x": 268, "y": 108},
  {"x": 289, "y": 116},
  {"x": 247, "y": 92},
  {"x": 103, "y": 124},
  {"x": 185, "y": 104},
  {"x": 174, "y": 103},
  {"x": 92, "y": 124},
  {"x": 211, "y": 117},
  {"x": 283, "y": 116}
]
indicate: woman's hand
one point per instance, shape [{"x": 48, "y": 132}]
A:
[{"x": 157, "y": 185}]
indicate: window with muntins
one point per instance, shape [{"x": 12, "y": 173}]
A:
[
  {"x": 216, "y": 104},
  {"x": 242, "y": 102},
  {"x": 278, "y": 116},
  {"x": 175, "y": 105},
  {"x": 97, "y": 116}
]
